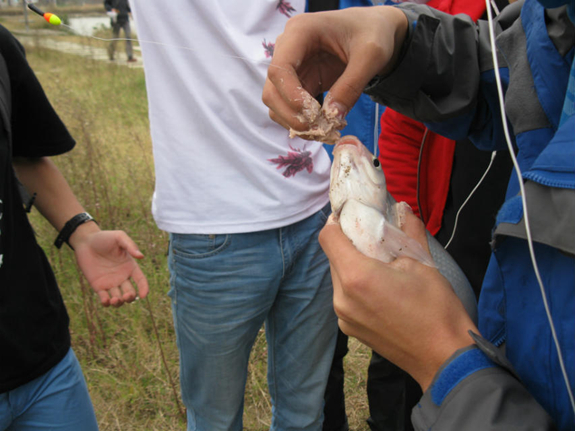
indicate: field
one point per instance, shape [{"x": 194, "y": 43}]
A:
[{"x": 129, "y": 355}]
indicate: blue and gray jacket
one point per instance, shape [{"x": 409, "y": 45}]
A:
[{"x": 513, "y": 380}]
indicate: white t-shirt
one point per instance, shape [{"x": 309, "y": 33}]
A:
[{"x": 221, "y": 164}]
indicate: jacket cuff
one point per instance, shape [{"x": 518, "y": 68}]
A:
[
  {"x": 476, "y": 389},
  {"x": 459, "y": 366},
  {"x": 465, "y": 362}
]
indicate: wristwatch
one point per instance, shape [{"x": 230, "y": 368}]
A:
[{"x": 69, "y": 228}]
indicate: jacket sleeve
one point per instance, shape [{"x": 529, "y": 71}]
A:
[
  {"x": 477, "y": 390},
  {"x": 443, "y": 72}
]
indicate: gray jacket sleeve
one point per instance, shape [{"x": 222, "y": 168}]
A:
[
  {"x": 438, "y": 75},
  {"x": 477, "y": 390}
]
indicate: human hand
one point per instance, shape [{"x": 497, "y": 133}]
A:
[
  {"x": 339, "y": 51},
  {"x": 107, "y": 260},
  {"x": 405, "y": 310}
]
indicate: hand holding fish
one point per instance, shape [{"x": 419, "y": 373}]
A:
[
  {"x": 404, "y": 310},
  {"x": 395, "y": 288},
  {"x": 339, "y": 51}
]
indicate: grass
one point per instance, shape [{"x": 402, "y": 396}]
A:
[{"x": 130, "y": 364}]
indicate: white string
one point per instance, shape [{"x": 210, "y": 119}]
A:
[
  {"x": 182, "y": 47},
  {"x": 469, "y": 197},
  {"x": 524, "y": 204},
  {"x": 376, "y": 131},
  {"x": 496, "y": 9}
]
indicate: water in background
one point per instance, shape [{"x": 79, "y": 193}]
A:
[{"x": 87, "y": 25}]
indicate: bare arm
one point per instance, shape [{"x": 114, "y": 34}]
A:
[{"x": 105, "y": 257}]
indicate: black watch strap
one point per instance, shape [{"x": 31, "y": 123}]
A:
[{"x": 70, "y": 226}]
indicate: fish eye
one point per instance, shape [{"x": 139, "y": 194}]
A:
[{"x": 376, "y": 162}]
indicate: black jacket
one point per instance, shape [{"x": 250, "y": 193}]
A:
[{"x": 122, "y": 6}]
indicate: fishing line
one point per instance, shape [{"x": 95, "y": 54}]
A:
[
  {"x": 55, "y": 20},
  {"x": 419, "y": 161},
  {"x": 168, "y": 45},
  {"x": 524, "y": 204},
  {"x": 376, "y": 131},
  {"x": 496, "y": 9},
  {"x": 493, "y": 154}
]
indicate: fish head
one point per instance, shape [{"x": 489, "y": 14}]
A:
[{"x": 356, "y": 174}]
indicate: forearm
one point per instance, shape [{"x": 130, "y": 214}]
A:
[{"x": 54, "y": 198}]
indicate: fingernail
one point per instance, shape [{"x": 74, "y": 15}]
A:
[
  {"x": 406, "y": 207},
  {"x": 334, "y": 109},
  {"x": 401, "y": 209}
]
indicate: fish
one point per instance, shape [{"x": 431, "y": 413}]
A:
[{"x": 371, "y": 218}]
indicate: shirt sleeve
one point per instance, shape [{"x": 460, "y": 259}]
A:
[
  {"x": 442, "y": 73},
  {"x": 37, "y": 130}
]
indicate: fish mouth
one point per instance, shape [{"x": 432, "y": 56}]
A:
[
  {"x": 348, "y": 140},
  {"x": 349, "y": 154},
  {"x": 339, "y": 171}
]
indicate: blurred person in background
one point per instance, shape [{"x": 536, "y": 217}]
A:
[{"x": 119, "y": 13}]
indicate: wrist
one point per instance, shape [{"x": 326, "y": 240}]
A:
[
  {"x": 76, "y": 228},
  {"x": 82, "y": 233},
  {"x": 398, "y": 21},
  {"x": 441, "y": 355}
]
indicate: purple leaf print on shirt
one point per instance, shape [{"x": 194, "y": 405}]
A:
[
  {"x": 285, "y": 7},
  {"x": 296, "y": 161},
  {"x": 269, "y": 48}
]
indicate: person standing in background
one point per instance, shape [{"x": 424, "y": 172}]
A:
[
  {"x": 243, "y": 204},
  {"x": 119, "y": 13},
  {"x": 511, "y": 376},
  {"x": 41, "y": 382},
  {"x": 440, "y": 182}
]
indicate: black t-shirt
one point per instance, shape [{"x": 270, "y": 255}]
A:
[{"x": 34, "y": 332}]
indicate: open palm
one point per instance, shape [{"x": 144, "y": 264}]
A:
[{"x": 107, "y": 260}]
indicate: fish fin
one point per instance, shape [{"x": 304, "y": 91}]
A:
[
  {"x": 374, "y": 236},
  {"x": 399, "y": 244}
]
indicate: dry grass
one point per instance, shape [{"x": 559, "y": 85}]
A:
[{"x": 111, "y": 171}]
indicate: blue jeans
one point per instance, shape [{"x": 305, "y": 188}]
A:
[
  {"x": 223, "y": 289},
  {"x": 57, "y": 400}
]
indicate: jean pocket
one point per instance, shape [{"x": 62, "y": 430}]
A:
[{"x": 196, "y": 246}]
